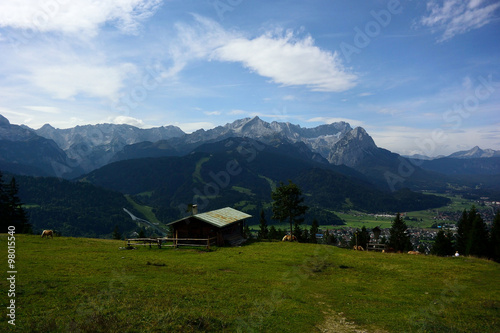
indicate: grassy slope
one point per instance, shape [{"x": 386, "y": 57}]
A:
[{"x": 78, "y": 284}]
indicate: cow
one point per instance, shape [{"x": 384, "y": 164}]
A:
[
  {"x": 389, "y": 250},
  {"x": 290, "y": 238},
  {"x": 413, "y": 252},
  {"x": 47, "y": 233},
  {"x": 358, "y": 248}
]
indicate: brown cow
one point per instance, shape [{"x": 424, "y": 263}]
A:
[
  {"x": 413, "y": 252},
  {"x": 358, "y": 248},
  {"x": 290, "y": 238},
  {"x": 47, "y": 233}
]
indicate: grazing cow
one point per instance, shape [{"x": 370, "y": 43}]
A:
[
  {"x": 358, "y": 248},
  {"x": 47, "y": 233},
  {"x": 290, "y": 238}
]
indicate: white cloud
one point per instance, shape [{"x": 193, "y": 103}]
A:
[
  {"x": 126, "y": 120},
  {"x": 289, "y": 61},
  {"x": 44, "y": 109},
  {"x": 433, "y": 142},
  {"x": 67, "y": 81},
  {"x": 456, "y": 17},
  {"x": 284, "y": 58},
  {"x": 237, "y": 112},
  {"x": 194, "y": 126},
  {"x": 76, "y": 16},
  {"x": 330, "y": 120},
  {"x": 212, "y": 113}
]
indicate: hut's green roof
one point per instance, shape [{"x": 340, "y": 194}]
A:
[{"x": 219, "y": 218}]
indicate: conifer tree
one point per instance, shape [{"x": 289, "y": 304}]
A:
[
  {"x": 495, "y": 238},
  {"x": 273, "y": 233},
  {"x": 472, "y": 235},
  {"x": 11, "y": 210},
  {"x": 313, "y": 231},
  {"x": 443, "y": 245},
  {"x": 399, "y": 240},
  {"x": 116, "y": 233},
  {"x": 264, "y": 231}
]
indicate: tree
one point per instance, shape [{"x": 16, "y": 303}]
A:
[
  {"x": 247, "y": 233},
  {"x": 399, "y": 239},
  {"x": 11, "y": 210},
  {"x": 273, "y": 233},
  {"x": 314, "y": 230},
  {"x": 360, "y": 238},
  {"x": 287, "y": 204},
  {"x": 264, "y": 231},
  {"x": 443, "y": 245},
  {"x": 495, "y": 238},
  {"x": 116, "y": 233},
  {"x": 472, "y": 235}
]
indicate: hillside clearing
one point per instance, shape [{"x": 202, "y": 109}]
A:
[{"x": 83, "y": 285}]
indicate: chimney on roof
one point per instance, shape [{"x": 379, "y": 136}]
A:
[{"x": 194, "y": 209}]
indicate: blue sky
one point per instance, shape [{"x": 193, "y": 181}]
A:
[{"x": 420, "y": 76}]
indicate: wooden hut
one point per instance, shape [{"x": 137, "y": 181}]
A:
[{"x": 221, "y": 226}]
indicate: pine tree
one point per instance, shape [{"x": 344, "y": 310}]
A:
[
  {"x": 297, "y": 232},
  {"x": 472, "y": 235},
  {"x": 313, "y": 231},
  {"x": 273, "y": 233},
  {"x": 264, "y": 231},
  {"x": 443, "y": 245},
  {"x": 116, "y": 233},
  {"x": 399, "y": 240},
  {"x": 495, "y": 238},
  {"x": 11, "y": 210}
]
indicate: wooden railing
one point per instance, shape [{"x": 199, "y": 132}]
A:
[{"x": 175, "y": 242}]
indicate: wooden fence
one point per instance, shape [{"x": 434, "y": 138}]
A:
[{"x": 172, "y": 242}]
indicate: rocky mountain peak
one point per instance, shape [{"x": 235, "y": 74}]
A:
[{"x": 4, "y": 122}]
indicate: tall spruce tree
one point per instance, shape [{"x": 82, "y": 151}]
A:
[
  {"x": 264, "y": 231},
  {"x": 313, "y": 231},
  {"x": 399, "y": 239},
  {"x": 472, "y": 235},
  {"x": 495, "y": 238},
  {"x": 288, "y": 204},
  {"x": 11, "y": 208},
  {"x": 443, "y": 245}
]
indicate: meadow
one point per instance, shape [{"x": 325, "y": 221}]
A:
[{"x": 90, "y": 285}]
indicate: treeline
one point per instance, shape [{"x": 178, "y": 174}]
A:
[
  {"x": 74, "y": 209},
  {"x": 12, "y": 214},
  {"x": 472, "y": 237}
]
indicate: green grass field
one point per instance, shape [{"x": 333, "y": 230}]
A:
[{"x": 89, "y": 285}]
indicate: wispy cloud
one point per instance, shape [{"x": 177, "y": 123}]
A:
[
  {"x": 76, "y": 16},
  {"x": 455, "y": 17},
  {"x": 68, "y": 80},
  {"x": 331, "y": 120},
  {"x": 286, "y": 59},
  {"x": 126, "y": 120},
  {"x": 44, "y": 109}
]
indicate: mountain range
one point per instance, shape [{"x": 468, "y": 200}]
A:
[
  {"x": 72, "y": 152},
  {"x": 337, "y": 167}
]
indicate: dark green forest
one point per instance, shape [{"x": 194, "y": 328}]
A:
[{"x": 73, "y": 209}]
